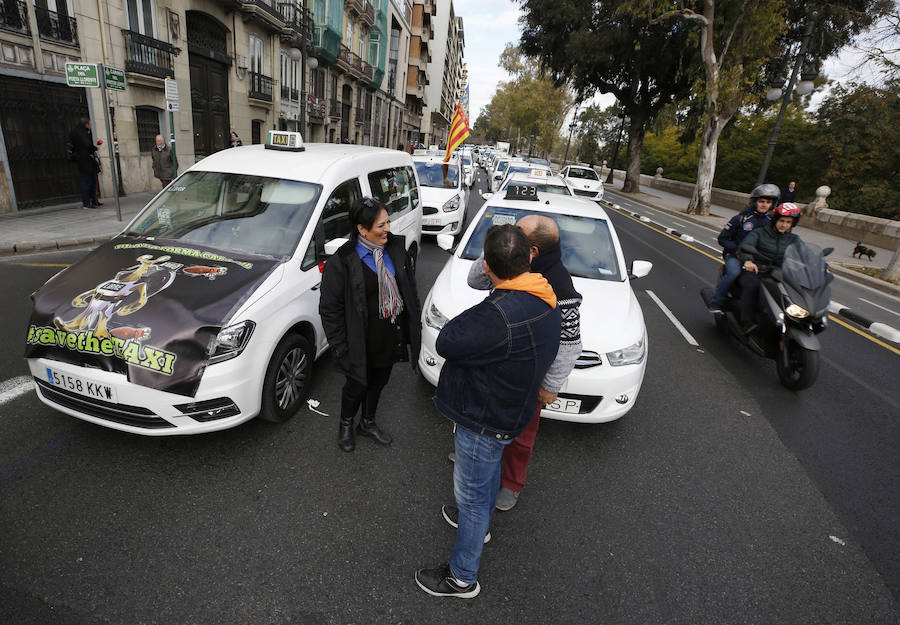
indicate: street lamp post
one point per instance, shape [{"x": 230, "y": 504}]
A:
[
  {"x": 805, "y": 87},
  {"x": 571, "y": 130},
  {"x": 612, "y": 165}
]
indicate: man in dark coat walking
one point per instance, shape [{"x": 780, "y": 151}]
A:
[
  {"x": 83, "y": 152},
  {"x": 163, "y": 167}
]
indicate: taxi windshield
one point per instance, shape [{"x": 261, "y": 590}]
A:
[
  {"x": 558, "y": 189},
  {"x": 587, "y": 174},
  {"x": 440, "y": 175},
  {"x": 252, "y": 214},
  {"x": 586, "y": 242}
]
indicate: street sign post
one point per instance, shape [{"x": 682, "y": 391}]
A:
[
  {"x": 172, "y": 106},
  {"x": 115, "y": 78}
]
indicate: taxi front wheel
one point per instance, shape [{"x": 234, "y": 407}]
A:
[{"x": 286, "y": 380}]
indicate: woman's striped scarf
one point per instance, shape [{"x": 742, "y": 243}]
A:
[{"x": 390, "y": 304}]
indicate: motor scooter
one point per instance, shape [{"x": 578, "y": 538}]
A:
[{"x": 792, "y": 312}]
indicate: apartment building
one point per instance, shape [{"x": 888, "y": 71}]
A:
[{"x": 445, "y": 66}]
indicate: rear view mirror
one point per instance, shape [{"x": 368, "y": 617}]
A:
[
  {"x": 445, "y": 242},
  {"x": 639, "y": 269},
  {"x": 827, "y": 251},
  {"x": 333, "y": 246}
]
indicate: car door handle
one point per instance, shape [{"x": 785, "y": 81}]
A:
[{"x": 316, "y": 287}]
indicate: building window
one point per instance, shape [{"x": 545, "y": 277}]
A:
[
  {"x": 140, "y": 16},
  {"x": 348, "y": 37},
  {"x": 318, "y": 86},
  {"x": 361, "y": 46},
  {"x": 147, "y": 126},
  {"x": 256, "y": 131},
  {"x": 256, "y": 54},
  {"x": 392, "y": 58},
  {"x": 374, "y": 42}
]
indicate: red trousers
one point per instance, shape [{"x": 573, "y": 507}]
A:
[{"x": 517, "y": 454}]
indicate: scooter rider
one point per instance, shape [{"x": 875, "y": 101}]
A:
[
  {"x": 770, "y": 242},
  {"x": 762, "y": 199}
]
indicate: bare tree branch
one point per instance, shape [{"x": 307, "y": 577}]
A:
[{"x": 734, "y": 27}]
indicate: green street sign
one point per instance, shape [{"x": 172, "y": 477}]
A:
[
  {"x": 82, "y": 75},
  {"x": 115, "y": 78}
]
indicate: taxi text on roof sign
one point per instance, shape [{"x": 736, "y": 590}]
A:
[{"x": 284, "y": 140}]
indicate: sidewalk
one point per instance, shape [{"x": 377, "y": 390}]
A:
[
  {"x": 719, "y": 216},
  {"x": 67, "y": 225}
]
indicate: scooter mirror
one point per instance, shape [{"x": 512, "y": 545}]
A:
[{"x": 827, "y": 251}]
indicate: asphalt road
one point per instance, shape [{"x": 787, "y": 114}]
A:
[{"x": 721, "y": 498}]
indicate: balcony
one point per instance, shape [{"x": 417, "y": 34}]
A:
[
  {"x": 264, "y": 13},
  {"x": 355, "y": 6},
  {"x": 298, "y": 22},
  {"x": 316, "y": 108},
  {"x": 352, "y": 63},
  {"x": 368, "y": 13},
  {"x": 14, "y": 16},
  {"x": 55, "y": 27},
  {"x": 260, "y": 87},
  {"x": 334, "y": 109},
  {"x": 327, "y": 41},
  {"x": 295, "y": 95},
  {"x": 148, "y": 56},
  {"x": 360, "y": 115}
]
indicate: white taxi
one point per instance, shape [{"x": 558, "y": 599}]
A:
[
  {"x": 203, "y": 312},
  {"x": 607, "y": 377},
  {"x": 444, "y": 196},
  {"x": 542, "y": 179},
  {"x": 584, "y": 181}
]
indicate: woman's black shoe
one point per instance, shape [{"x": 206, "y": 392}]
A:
[
  {"x": 368, "y": 427},
  {"x": 345, "y": 435}
]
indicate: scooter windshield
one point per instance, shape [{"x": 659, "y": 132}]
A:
[{"x": 804, "y": 266}]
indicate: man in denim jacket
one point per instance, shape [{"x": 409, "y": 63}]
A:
[{"x": 497, "y": 353}]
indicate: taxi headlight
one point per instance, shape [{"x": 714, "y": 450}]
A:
[
  {"x": 231, "y": 341},
  {"x": 797, "y": 312},
  {"x": 631, "y": 355},
  {"x": 434, "y": 318},
  {"x": 452, "y": 204}
]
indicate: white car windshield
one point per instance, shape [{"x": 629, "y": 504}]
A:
[
  {"x": 236, "y": 212},
  {"x": 586, "y": 174},
  {"x": 558, "y": 189},
  {"x": 440, "y": 175},
  {"x": 586, "y": 242}
]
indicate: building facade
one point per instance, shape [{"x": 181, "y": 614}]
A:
[{"x": 445, "y": 66}]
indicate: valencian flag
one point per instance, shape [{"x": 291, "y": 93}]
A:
[
  {"x": 465, "y": 102},
  {"x": 459, "y": 130}
]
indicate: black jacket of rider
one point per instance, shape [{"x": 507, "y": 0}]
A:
[
  {"x": 740, "y": 226},
  {"x": 770, "y": 244}
]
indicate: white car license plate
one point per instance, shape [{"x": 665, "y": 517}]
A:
[
  {"x": 565, "y": 404},
  {"x": 431, "y": 221},
  {"x": 82, "y": 386}
]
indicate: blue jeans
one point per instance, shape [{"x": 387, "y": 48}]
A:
[
  {"x": 88, "y": 190},
  {"x": 732, "y": 272},
  {"x": 476, "y": 480}
]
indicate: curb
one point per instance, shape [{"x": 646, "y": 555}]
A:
[
  {"x": 875, "y": 283},
  {"x": 881, "y": 330},
  {"x": 27, "y": 247}
]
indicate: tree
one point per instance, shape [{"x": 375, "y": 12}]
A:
[{"x": 596, "y": 47}]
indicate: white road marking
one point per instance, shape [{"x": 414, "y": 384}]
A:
[
  {"x": 885, "y": 331},
  {"x": 687, "y": 335},
  {"x": 680, "y": 223},
  {"x": 838, "y": 541},
  {"x": 12, "y": 388},
  {"x": 745, "y": 413},
  {"x": 863, "y": 299}
]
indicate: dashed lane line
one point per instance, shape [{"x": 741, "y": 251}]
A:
[
  {"x": 687, "y": 335},
  {"x": 863, "y": 299},
  {"x": 14, "y": 387}
]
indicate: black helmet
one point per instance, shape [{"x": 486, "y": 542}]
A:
[{"x": 770, "y": 191}]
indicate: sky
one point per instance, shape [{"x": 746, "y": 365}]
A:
[{"x": 491, "y": 24}]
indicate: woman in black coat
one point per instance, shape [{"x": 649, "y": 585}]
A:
[{"x": 370, "y": 313}]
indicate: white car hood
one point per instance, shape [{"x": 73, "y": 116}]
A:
[
  {"x": 584, "y": 184},
  {"x": 434, "y": 196},
  {"x": 611, "y": 317}
]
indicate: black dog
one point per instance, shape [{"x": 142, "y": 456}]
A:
[{"x": 862, "y": 250}]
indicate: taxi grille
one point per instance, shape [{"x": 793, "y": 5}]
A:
[
  {"x": 136, "y": 416},
  {"x": 429, "y": 210},
  {"x": 585, "y": 193}
]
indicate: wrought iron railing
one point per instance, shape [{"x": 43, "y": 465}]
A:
[
  {"x": 285, "y": 92},
  {"x": 260, "y": 87},
  {"x": 299, "y": 19},
  {"x": 52, "y": 25},
  {"x": 266, "y": 5},
  {"x": 356, "y": 5},
  {"x": 369, "y": 11},
  {"x": 148, "y": 56},
  {"x": 354, "y": 62},
  {"x": 14, "y": 16},
  {"x": 295, "y": 95},
  {"x": 316, "y": 107}
]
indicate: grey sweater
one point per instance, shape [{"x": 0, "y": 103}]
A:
[{"x": 569, "y": 349}]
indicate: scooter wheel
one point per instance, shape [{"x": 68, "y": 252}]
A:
[{"x": 797, "y": 366}]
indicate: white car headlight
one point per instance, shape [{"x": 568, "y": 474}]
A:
[
  {"x": 631, "y": 355},
  {"x": 231, "y": 341},
  {"x": 434, "y": 318},
  {"x": 452, "y": 204}
]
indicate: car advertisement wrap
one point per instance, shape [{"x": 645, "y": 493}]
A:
[{"x": 146, "y": 309}]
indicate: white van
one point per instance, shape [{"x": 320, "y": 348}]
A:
[{"x": 203, "y": 313}]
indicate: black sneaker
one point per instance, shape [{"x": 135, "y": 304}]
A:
[
  {"x": 716, "y": 310},
  {"x": 451, "y": 515},
  {"x": 440, "y": 582}
]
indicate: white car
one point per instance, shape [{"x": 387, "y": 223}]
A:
[
  {"x": 522, "y": 167},
  {"x": 468, "y": 168},
  {"x": 541, "y": 179},
  {"x": 607, "y": 377},
  {"x": 203, "y": 312},
  {"x": 444, "y": 196},
  {"x": 498, "y": 172},
  {"x": 584, "y": 181}
]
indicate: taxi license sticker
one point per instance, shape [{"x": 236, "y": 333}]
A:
[{"x": 500, "y": 219}]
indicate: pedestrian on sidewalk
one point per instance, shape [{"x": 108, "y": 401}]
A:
[
  {"x": 163, "y": 165},
  {"x": 84, "y": 154},
  {"x": 543, "y": 235},
  {"x": 788, "y": 196},
  {"x": 496, "y": 353},
  {"x": 762, "y": 199},
  {"x": 235, "y": 140}
]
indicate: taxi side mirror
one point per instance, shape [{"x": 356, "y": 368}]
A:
[
  {"x": 331, "y": 247},
  {"x": 639, "y": 269},
  {"x": 485, "y": 195},
  {"x": 445, "y": 242}
]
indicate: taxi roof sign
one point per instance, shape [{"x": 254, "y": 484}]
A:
[{"x": 284, "y": 140}]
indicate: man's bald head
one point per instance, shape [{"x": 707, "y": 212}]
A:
[{"x": 541, "y": 230}]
